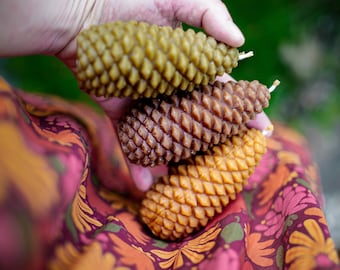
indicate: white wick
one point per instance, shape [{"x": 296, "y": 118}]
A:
[
  {"x": 274, "y": 85},
  {"x": 244, "y": 55}
]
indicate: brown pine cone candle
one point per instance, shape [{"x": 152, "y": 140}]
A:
[
  {"x": 136, "y": 59},
  {"x": 159, "y": 131},
  {"x": 197, "y": 190}
]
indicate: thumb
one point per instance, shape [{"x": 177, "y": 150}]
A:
[{"x": 213, "y": 16}]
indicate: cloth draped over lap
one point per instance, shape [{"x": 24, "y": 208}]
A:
[{"x": 64, "y": 203}]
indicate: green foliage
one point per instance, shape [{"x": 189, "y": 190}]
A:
[{"x": 41, "y": 74}]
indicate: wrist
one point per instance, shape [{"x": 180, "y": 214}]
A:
[{"x": 43, "y": 27}]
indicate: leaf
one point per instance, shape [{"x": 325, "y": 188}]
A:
[
  {"x": 248, "y": 198},
  {"x": 70, "y": 225},
  {"x": 109, "y": 227},
  {"x": 303, "y": 183},
  {"x": 289, "y": 221},
  {"x": 279, "y": 257},
  {"x": 232, "y": 232},
  {"x": 57, "y": 164},
  {"x": 159, "y": 243}
]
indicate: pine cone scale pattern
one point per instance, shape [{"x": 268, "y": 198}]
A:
[
  {"x": 199, "y": 188},
  {"x": 184, "y": 124},
  {"x": 115, "y": 59},
  {"x": 200, "y": 132}
]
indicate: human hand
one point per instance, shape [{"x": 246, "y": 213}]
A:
[
  {"x": 51, "y": 27},
  {"x": 54, "y": 25}
]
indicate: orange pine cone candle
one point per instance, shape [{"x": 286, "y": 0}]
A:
[{"x": 200, "y": 187}]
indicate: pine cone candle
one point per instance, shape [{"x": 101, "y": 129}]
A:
[
  {"x": 159, "y": 131},
  {"x": 197, "y": 190},
  {"x": 136, "y": 59}
]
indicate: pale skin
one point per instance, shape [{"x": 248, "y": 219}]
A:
[{"x": 50, "y": 27}]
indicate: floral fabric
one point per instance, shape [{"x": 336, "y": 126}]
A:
[{"x": 64, "y": 201}]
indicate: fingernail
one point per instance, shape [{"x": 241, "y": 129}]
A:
[
  {"x": 141, "y": 176},
  {"x": 268, "y": 131},
  {"x": 235, "y": 33}
]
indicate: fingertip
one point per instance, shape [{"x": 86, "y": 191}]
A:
[
  {"x": 235, "y": 36},
  {"x": 225, "y": 78},
  {"x": 263, "y": 123},
  {"x": 141, "y": 176},
  {"x": 213, "y": 16},
  {"x": 227, "y": 32},
  {"x": 220, "y": 25}
]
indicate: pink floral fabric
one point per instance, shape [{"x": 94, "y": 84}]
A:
[{"x": 66, "y": 201}]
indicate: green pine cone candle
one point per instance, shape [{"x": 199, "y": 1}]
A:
[
  {"x": 199, "y": 188},
  {"x": 136, "y": 59},
  {"x": 159, "y": 131}
]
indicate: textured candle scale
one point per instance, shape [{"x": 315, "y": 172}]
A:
[
  {"x": 199, "y": 132},
  {"x": 159, "y": 131},
  {"x": 199, "y": 188},
  {"x": 136, "y": 59}
]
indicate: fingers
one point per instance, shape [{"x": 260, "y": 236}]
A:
[
  {"x": 141, "y": 176},
  {"x": 262, "y": 122},
  {"x": 113, "y": 107},
  {"x": 213, "y": 16}
]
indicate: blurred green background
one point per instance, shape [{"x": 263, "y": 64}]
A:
[{"x": 297, "y": 42}]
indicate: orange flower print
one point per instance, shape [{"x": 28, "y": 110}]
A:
[
  {"x": 91, "y": 257},
  {"x": 311, "y": 249},
  {"x": 133, "y": 227},
  {"x": 82, "y": 212},
  {"x": 258, "y": 251},
  {"x": 277, "y": 179},
  {"x": 132, "y": 255},
  {"x": 192, "y": 249}
]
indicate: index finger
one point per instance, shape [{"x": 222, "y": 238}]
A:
[{"x": 213, "y": 16}]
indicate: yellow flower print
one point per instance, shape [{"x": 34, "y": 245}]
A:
[
  {"x": 316, "y": 211},
  {"x": 118, "y": 201},
  {"x": 274, "y": 144},
  {"x": 92, "y": 257},
  {"x": 81, "y": 212},
  {"x": 27, "y": 171},
  {"x": 287, "y": 157},
  {"x": 310, "y": 249},
  {"x": 193, "y": 250},
  {"x": 65, "y": 137},
  {"x": 4, "y": 86}
]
